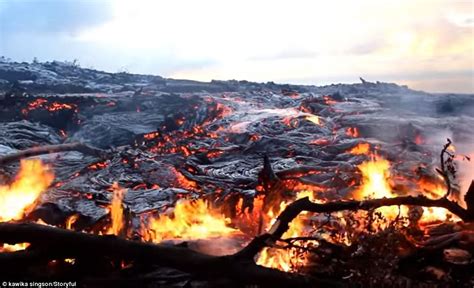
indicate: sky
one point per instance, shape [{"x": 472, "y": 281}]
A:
[{"x": 425, "y": 44}]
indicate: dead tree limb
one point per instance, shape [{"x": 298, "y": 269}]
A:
[
  {"x": 48, "y": 149},
  {"x": 444, "y": 172},
  {"x": 281, "y": 225},
  {"x": 240, "y": 267},
  {"x": 59, "y": 243}
]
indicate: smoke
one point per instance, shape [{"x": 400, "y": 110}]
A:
[
  {"x": 465, "y": 167},
  {"x": 464, "y": 150}
]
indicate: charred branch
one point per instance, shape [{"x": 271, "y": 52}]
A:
[
  {"x": 60, "y": 244},
  {"x": 304, "y": 204},
  {"x": 49, "y": 149}
]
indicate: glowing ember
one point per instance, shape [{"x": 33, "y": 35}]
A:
[
  {"x": 17, "y": 198},
  {"x": 190, "y": 220},
  {"x": 182, "y": 181},
  {"x": 352, "y": 132},
  {"x": 321, "y": 141},
  {"x": 360, "y": 149},
  {"x": 51, "y": 107},
  {"x": 116, "y": 209},
  {"x": 419, "y": 140}
]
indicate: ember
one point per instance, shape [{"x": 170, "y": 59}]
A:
[{"x": 44, "y": 104}]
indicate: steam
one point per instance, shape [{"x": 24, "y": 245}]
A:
[{"x": 464, "y": 147}]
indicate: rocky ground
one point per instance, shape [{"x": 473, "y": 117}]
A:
[{"x": 179, "y": 138}]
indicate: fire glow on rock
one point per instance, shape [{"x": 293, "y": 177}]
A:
[
  {"x": 191, "y": 220},
  {"x": 196, "y": 219}
]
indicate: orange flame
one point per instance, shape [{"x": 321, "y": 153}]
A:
[
  {"x": 14, "y": 247},
  {"x": 375, "y": 184},
  {"x": 361, "y": 148},
  {"x": 17, "y": 198},
  {"x": 286, "y": 259},
  {"x": 116, "y": 209},
  {"x": 434, "y": 214},
  {"x": 190, "y": 220}
]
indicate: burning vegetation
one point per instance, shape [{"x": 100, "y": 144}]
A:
[{"x": 260, "y": 187}]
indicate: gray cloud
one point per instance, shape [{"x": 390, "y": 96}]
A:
[
  {"x": 51, "y": 16},
  {"x": 287, "y": 54}
]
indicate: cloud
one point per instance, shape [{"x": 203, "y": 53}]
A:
[
  {"x": 286, "y": 54},
  {"x": 52, "y": 16},
  {"x": 281, "y": 40}
]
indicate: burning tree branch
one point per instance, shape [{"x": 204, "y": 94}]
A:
[
  {"x": 49, "y": 149},
  {"x": 304, "y": 204},
  {"x": 55, "y": 243}
]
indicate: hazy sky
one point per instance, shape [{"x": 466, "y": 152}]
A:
[{"x": 426, "y": 44}]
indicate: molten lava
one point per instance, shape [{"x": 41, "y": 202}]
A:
[
  {"x": 44, "y": 104},
  {"x": 18, "y": 197},
  {"x": 352, "y": 132},
  {"x": 189, "y": 220}
]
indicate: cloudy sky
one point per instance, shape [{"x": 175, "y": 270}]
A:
[{"x": 426, "y": 44}]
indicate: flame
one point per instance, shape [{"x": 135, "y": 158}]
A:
[
  {"x": 286, "y": 259},
  {"x": 17, "y": 198},
  {"x": 116, "y": 209},
  {"x": 71, "y": 220},
  {"x": 451, "y": 148},
  {"x": 315, "y": 119},
  {"x": 190, "y": 220},
  {"x": 361, "y": 148},
  {"x": 14, "y": 247},
  {"x": 434, "y": 191},
  {"x": 375, "y": 184}
]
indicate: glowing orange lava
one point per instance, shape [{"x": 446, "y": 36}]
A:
[{"x": 352, "y": 132}]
